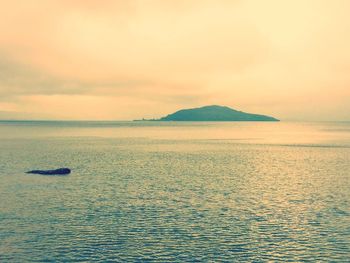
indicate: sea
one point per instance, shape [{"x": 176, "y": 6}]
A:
[{"x": 175, "y": 191}]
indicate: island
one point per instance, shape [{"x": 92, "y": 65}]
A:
[{"x": 213, "y": 113}]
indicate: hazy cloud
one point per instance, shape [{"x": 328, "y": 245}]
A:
[{"x": 285, "y": 58}]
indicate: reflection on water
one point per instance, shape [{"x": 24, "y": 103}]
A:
[
  {"x": 336, "y": 133},
  {"x": 175, "y": 192}
]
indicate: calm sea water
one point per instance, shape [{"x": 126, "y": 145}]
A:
[{"x": 175, "y": 192}]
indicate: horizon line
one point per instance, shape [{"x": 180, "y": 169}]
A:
[{"x": 150, "y": 120}]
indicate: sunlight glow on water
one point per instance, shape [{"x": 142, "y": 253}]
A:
[{"x": 175, "y": 192}]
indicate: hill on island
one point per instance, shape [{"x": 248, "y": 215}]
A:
[{"x": 214, "y": 113}]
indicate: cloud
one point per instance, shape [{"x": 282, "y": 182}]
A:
[
  {"x": 17, "y": 80},
  {"x": 273, "y": 57}
]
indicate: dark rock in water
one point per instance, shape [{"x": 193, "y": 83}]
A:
[{"x": 60, "y": 171}]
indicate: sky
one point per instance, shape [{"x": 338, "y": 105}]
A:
[{"x": 132, "y": 59}]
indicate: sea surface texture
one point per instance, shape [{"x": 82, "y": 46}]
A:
[{"x": 175, "y": 192}]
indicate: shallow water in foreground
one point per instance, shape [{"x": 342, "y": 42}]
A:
[{"x": 175, "y": 192}]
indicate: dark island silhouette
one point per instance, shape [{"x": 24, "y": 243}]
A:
[{"x": 213, "y": 113}]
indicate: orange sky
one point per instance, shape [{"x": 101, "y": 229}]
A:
[{"x": 93, "y": 59}]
